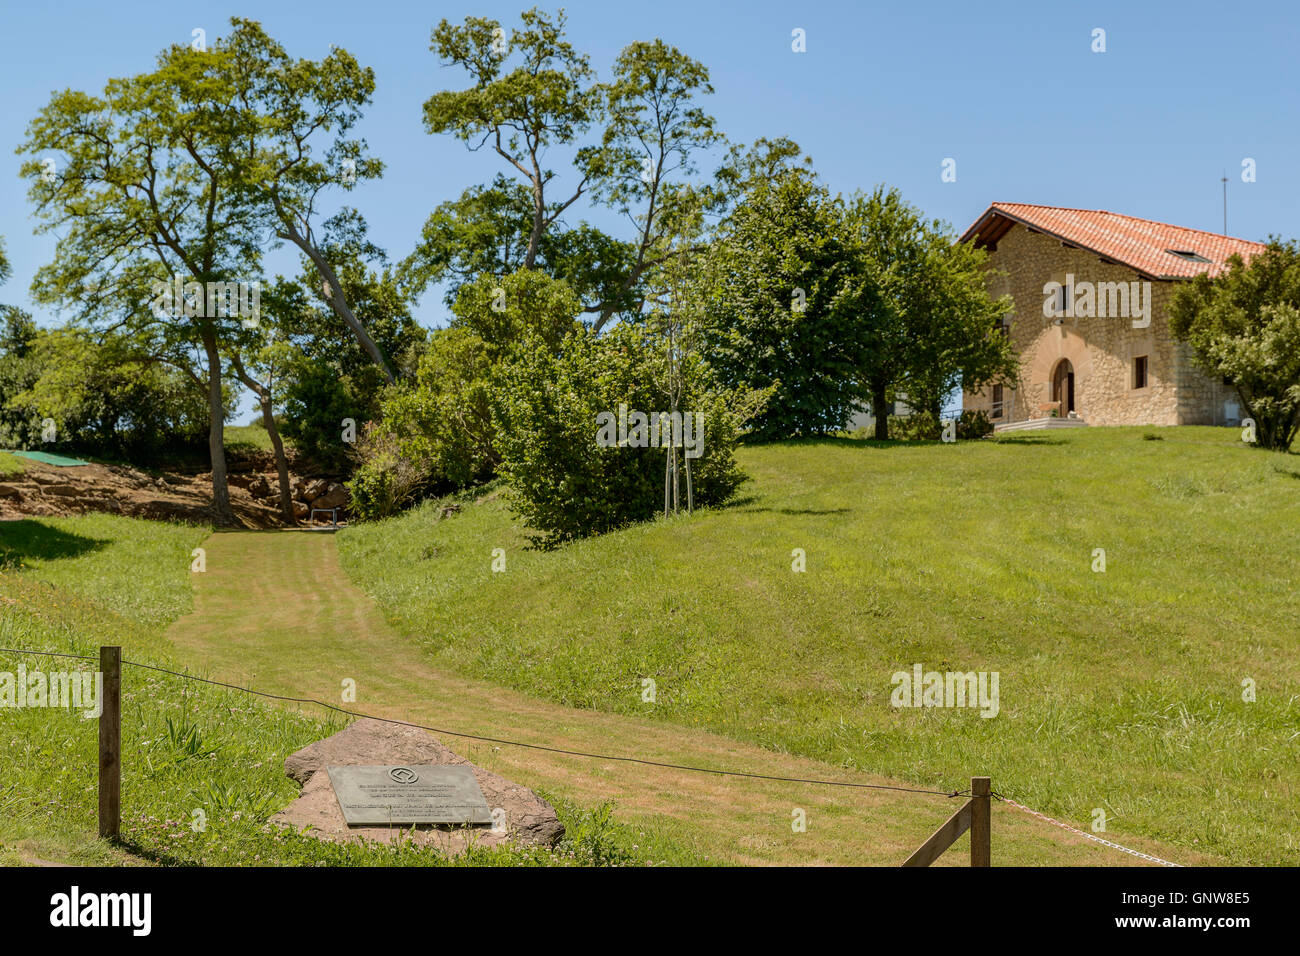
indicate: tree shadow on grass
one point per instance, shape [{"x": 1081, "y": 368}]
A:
[
  {"x": 840, "y": 441},
  {"x": 1028, "y": 440},
  {"x": 29, "y": 538},
  {"x": 743, "y": 504},
  {"x": 899, "y": 445}
]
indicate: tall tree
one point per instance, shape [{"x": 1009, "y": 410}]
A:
[
  {"x": 778, "y": 315},
  {"x": 633, "y": 145},
  {"x": 548, "y": 100},
  {"x": 648, "y": 154},
  {"x": 1244, "y": 326},
  {"x": 133, "y": 182},
  {"x": 259, "y": 374},
  {"x": 923, "y": 304},
  {"x": 324, "y": 378},
  {"x": 292, "y": 142}
]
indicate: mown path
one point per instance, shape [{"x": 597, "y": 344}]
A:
[{"x": 275, "y": 612}]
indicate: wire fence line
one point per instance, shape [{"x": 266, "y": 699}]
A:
[
  {"x": 501, "y": 740},
  {"x": 599, "y": 756}
]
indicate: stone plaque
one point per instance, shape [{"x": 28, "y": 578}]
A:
[{"x": 380, "y": 796}]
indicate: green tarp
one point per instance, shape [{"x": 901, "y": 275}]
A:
[{"x": 48, "y": 459}]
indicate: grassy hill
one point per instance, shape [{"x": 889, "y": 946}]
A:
[
  {"x": 68, "y": 585},
  {"x": 1120, "y": 690}
]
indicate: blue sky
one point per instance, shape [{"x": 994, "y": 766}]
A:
[{"x": 885, "y": 92}]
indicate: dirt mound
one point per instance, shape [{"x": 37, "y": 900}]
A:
[{"x": 47, "y": 490}]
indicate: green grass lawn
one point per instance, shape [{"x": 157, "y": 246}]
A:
[
  {"x": 1119, "y": 690},
  {"x": 250, "y": 438},
  {"x": 10, "y": 465},
  {"x": 70, "y": 585}
]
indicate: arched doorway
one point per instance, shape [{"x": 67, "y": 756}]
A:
[{"x": 1063, "y": 387}]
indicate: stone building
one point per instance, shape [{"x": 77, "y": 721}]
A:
[{"x": 1090, "y": 321}]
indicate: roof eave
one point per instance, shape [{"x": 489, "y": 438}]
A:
[{"x": 994, "y": 211}]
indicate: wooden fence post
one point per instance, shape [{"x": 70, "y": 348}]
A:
[
  {"x": 981, "y": 820},
  {"x": 110, "y": 744}
]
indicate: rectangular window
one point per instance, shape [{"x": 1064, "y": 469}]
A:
[
  {"x": 997, "y": 401},
  {"x": 1140, "y": 372}
]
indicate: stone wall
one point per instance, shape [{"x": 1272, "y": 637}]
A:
[{"x": 1102, "y": 350}]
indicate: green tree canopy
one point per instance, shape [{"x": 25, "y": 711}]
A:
[
  {"x": 777, "y": 315},
  {"x": 1244, "y": 326},
  {"x": 632, "y": 144},
  {"x": 136, "y": 183},
  {"x": 929, "y": 323}
]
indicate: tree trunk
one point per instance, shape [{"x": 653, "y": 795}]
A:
[
  {"x": 668, "y": 471},
  {"x": 690, "y": 495},
  {"x": 217, "y": 433},
  {"x": 539, "y": 219},
  {"x": 879, "y": 401},
  {"x": 338, "y": 302},
  {"x": 268, "y": 419},
  {"x": 281, "y": 463}
]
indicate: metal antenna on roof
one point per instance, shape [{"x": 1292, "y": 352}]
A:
[{"x": 1225, "y": 202}]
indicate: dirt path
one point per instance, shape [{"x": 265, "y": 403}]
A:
[{"x": 274, "y": 611}]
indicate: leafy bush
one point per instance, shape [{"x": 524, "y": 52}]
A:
[
  {"x": 438, "y": 425},
  {"x": 317, "y": 399},
  {"x": 385, "y": 481},
  {"x": 442, "y": 421},
  {"x": 974, "y": 424},
  {"x": 562, "y": 482},
  {"x": 101, "y": 393}
]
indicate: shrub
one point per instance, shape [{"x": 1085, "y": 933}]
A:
[
  {"x": 385, "y": 481},
  {"x": 562, "y": 482},
  {"x": 317, "y": 399},
  {"x": 438, "y": 425},
  {"x": 973, "y": 424}
]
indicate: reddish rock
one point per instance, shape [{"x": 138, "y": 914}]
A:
[
  {"x": 528, "y": 818},
  {"x": 336, "y": 496},
  {"x": 315, "y": 489}
]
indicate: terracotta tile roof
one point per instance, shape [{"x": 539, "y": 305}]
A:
[{"x": 1139, "y": 243}]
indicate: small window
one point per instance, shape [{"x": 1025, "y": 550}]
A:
[
  {"x": 997, "y": 401},
  {"x": 1140, "y": 372},
  {"x": 1188, "y": 254}
]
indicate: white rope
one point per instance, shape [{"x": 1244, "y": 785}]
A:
[{"x": 1095, "y": 839}]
